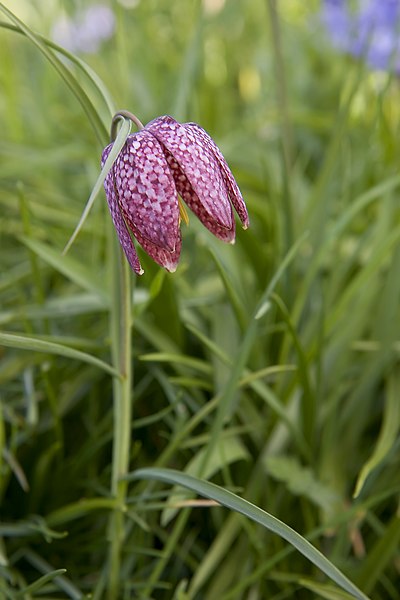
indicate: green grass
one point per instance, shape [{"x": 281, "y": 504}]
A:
[{"x": 230, "y": 431}]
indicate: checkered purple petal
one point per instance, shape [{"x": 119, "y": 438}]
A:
[
  {"x": 168, "y": 260},
  {"x": 187, "y": 193},
  {"x": 233, "y": 189},
  {"x": 146, "y": 190},
  {"x": 199, "y": 165},
  {"x": 117, "y": 218}
]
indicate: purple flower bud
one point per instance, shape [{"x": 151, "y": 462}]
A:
[{"x": 161, "y": 161}]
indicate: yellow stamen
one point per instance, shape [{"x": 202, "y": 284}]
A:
[{"x": 183, "y": 215}]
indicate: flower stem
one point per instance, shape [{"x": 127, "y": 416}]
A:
[
  {"x": 122, "y": 359},
  {"x": 123, "y": 114}
]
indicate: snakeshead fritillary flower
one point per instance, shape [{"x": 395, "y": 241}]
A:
[{"x": 161, "y": 161}]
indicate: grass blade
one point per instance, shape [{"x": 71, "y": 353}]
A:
[
  {"x": 71, "y": 268},
  {"x": 249, "y": 510},
  {"x": 387, "y": 436},
  {"x": 62, "y": 70},
  {"x": 92, "y": 75},
  {"x": 32, "y": 344},
  {"x": 115, "y": 150}
]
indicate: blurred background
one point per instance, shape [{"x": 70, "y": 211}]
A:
[{"x": 303, "y": 100}]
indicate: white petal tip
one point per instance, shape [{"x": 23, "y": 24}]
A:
[
  {"x": 232, "y": 242},
  {"x": 140, "y": 272},
  {"x": 170, "y": 267}
]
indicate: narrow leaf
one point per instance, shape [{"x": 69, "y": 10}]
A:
[
  {"x": 381, "y": 555},
  {"x": 89, "y": 72},
  {"x": 39, "y": 583},
  {"x": 71, "y": 268},
  {"x": 33, "y": 344},
  {"x": 228, "y": 451},
  {"x": 249, "y": 510},
  {"x": 120, "y": 140},
  {"x": 324, "y": 591},
  {"x": 62, "y": 70},
  {"x": 178, "y": 359},
  {"x": 300, "y": 480},
  {"x": 387, "y": 435}
]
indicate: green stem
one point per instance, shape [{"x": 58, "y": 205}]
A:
[
  {"x": 120, "y": 116},
  {"x": 121, "y": 346}
]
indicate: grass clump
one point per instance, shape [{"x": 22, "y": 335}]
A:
[{"x": 260, "y": 382}]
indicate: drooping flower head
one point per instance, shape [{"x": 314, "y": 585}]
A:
[
  {"x": 371, "y": 31},
  {"x": 159, "y": 165}
]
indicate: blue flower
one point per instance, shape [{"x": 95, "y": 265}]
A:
[
  {"x": 371, "y": 31},
  {"x": 335, "y": 18},
  {"x": 86, "y": 31}
]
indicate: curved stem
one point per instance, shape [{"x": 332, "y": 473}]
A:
[{"x": 123, "y": 114}]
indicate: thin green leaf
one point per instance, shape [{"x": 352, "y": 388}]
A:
[
  {"x": 384, "y": 249},
  {"x": 356, "y": 207},
  {"x": 179, "y": 359},
  {"x": 40, "y": 583},
  {"x": 264, "y": 391},
  {"x": 267, "y": 372},
  {"x": 228, "y": 451},
  {"x": 36, "y": 525},
  {"x": 238, "y": 365},
  {"x": 324, "y": 591},
  {"x": 249, "y": 510},
  {"x": 231, "y": 292},
  {"x": 32, "y": 344},
  {"x": 381, "y": 555},
  {"x": 387, "y": 435},
  {"x": 63, "y": 582},
  {"x": 92, "y": 75},
  {"x": 308, "y": 400},
  {"x": 119, "y": 143},
  {"x": 68, "y": 306},
  {"x": 300, "y": 480},
  {"x": 74, "y": 269},
  {"x": 79, "y": 509},
  {"x": 60, "y": 67}
]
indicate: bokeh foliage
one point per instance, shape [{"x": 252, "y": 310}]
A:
[{"x": 310, "y": 429}]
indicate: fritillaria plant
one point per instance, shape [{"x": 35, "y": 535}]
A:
[
  {"x": 160, "y": 165},
  {"x": 158, "y": 170}
]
